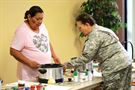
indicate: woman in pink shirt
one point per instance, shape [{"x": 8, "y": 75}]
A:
[{"x": 31, "y": 45}]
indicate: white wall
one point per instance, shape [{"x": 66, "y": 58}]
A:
[
  {"x": 133, "y": 34},
  {"x": 131, "y": 24},
  {"x": 59, "y": 20}
]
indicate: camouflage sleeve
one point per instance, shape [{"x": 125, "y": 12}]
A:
[{"x": 90, "y": 49}]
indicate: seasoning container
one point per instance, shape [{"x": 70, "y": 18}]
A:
[
  {"x": 70, "y": 75},
  {"x": 75, "y": 76},
  {"x": 32, "y": 87},
  {"x": 9, "y": 88},
  {"x": 15, "y": 88},
  {"x": 69, "y": 79},
  {"x": 27, "y": 88},
  {"x": 90, "y": 75},
  {"x": 21, "y": 85},
  {"x": 39, "y": 87},
  {"x": 44, "y": 87},
  {"x": 86, "y": 75},
  {"x": 82, "y": 76}
]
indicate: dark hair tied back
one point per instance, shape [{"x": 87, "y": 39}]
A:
[
  {"x": 33, "y": 11},
  {"x": 26, "y": 14}
]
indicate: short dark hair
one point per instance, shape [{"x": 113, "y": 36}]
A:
[
  {"x": 85, "y": 18},
  {"x": 33, "y": 11}
]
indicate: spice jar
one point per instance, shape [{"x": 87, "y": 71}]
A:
[
  {"x": 32, "y": 87},
  {"x": 21, "y": 84},
  {"x": 39, "y": 87}
]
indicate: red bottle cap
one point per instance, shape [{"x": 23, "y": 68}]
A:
[
  {"x": 38, "y": 86},
  {"x": 32, "y": 86}
]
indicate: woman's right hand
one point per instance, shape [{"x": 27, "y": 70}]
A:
[{"x": 34, "y": 65}]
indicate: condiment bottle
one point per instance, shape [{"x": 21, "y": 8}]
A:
[
  {"x": 75, "y": 76},
  {"x": 21, "y": 84},
  {"x": 86, "y": 75},
  {"x": 32, "y": 87},
  {"x": 14, "y": 88},
  {"x": 82, "y": 76},
  {"x": 39, "y": 87},
  {"x": 90, "y": 75}
]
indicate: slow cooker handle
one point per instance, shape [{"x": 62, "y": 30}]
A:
[{"x": 42, "y": 71}]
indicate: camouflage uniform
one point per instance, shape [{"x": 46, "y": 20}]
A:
[
  {"x": 103, "y": 46},
  {"x": 119, "y": 80}
]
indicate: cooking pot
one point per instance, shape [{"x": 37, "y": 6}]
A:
[{"x": 53, "y": 71}]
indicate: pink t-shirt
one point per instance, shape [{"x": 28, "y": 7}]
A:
[{"x": 34, "y": 46}]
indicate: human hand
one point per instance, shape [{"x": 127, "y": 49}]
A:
[
  {"x": 56, "y": 60},
  {"x": 64, "y": 67},
  {"x": 99, "y": 69},
  {"x": 34, "y": 65}
]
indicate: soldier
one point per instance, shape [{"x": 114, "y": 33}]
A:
[{"x": 103, "y": 46}]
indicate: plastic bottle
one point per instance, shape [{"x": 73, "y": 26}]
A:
[
  {"x": 82, "y": 76},
  {"x": 90, "y": 75},
  {"x": 27, "y": 88},
  {"x": 21, "y": 85},
  {"x": 15, "y": 88},
  {"x": 32, "y": 87},
  {"x": 86, "y": 75},
  {"x": 75, "y": 76},
  {"x": 39, "y": 87}
]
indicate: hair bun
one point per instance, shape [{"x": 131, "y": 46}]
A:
[{"x": 26, "y": 14}]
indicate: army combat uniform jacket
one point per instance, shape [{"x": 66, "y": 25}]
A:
[{"x": 103, "y": 46}]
